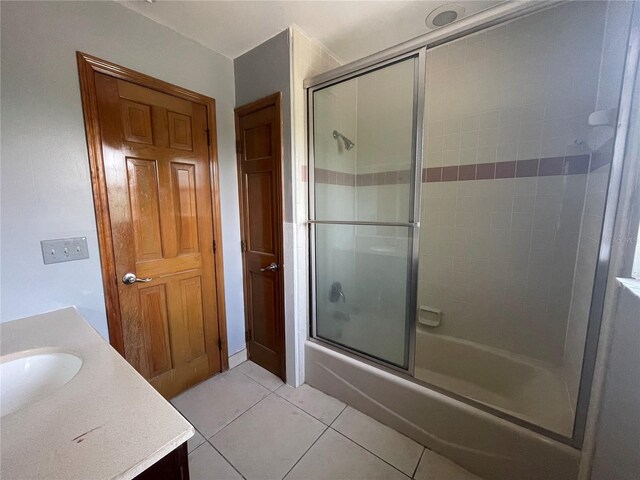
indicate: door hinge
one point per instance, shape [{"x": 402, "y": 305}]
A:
[
  {"x": 238, "y": 146},
  {"x": 243, "y": 246},
  {"x": 220, "y": 343},
  {"x": 214, "y": 246},
  {"x": 247, "y": 335},
  {"x": 208, "y": 136}
]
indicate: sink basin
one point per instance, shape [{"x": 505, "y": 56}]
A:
[{"x": 31, "y": 377}]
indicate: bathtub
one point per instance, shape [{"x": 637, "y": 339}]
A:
[
  {"x": 484, "y": 444},
  {"x": 517, "y": 385}
]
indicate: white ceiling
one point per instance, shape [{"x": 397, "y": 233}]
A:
[{"x": 350, "y": 29}]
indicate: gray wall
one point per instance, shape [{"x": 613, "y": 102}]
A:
[
  {"x": 262, "y": 71},
  {"x": 46, "y": 189}
]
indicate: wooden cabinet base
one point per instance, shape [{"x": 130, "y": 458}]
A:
[{"x": 175, "y": 466}]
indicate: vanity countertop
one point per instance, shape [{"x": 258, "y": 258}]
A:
[{"x": 106, "y": 423}]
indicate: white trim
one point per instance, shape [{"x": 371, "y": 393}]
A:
[
  {"x": 237, "y": 358},
  {"x": 635, "y": 269}
]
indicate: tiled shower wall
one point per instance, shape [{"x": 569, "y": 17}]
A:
[
  {"x": 498, "y": 254},
  {"x": 335, "y": 109},
  {"x": 384, "y": 144},
  {"x": 497, "y": 258}
]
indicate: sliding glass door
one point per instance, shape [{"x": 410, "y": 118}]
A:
[{"x": 365, "y": 179}]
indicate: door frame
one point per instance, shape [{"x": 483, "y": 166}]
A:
[
  {"x": 88, "y": 66},
  {"x": 275, "y": 100}
]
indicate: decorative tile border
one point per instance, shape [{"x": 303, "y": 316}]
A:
[
  {"x": 538, "y": 167},
  {"x": 542, "y": 167},
  {"x": 333, "y": 177}
]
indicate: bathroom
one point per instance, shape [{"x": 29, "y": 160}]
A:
[{"x": 457, "y": 223}]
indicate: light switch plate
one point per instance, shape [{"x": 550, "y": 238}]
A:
[{"x": 64, "y": 250}]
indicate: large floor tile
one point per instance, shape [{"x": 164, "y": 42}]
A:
[
  {"x": 195, "y": 441},
  {"x": 393, "y": 447},
  {"x": 214, "y": 403},
  {"x": 207, "y": 464},
  {"x": 262, "y": 376},
  {"x": 334, "y": 457},
  {"x": 266, "y": 441},
  {"x": 436, "y": 467},
  {"x": 314, "y": 402}
]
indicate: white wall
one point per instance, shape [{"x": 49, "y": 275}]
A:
[
  {"x": 46, "y": 189},
  {"x": 617, "y": 453},
  {"x": 613, "y": 434}
]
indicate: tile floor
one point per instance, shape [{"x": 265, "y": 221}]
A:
[{"x": 251, "y": 425}]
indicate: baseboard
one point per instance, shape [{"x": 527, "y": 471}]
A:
[{"x": 237, "y": 358}]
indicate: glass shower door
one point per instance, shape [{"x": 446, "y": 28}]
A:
[{"x": 364, "y": 177}]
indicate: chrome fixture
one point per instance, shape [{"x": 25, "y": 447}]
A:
[
  {"x": 348, "y": 144},
  {"x": 130, "y": 278},
  {"x": 336, "y": 294},
  {"x": 272, "y": 267}
]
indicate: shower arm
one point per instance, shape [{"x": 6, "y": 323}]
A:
[{"x": 348, "y": 144}]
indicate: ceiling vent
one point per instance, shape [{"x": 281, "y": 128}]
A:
[{"x": 444, "y": 15}]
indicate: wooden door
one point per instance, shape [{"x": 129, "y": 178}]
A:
[
  {"x": 158, "y": 186},
  {"x": 259, "y": 147}
]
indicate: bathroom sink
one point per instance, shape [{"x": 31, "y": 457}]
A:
[{"x": 28, "y": 378}]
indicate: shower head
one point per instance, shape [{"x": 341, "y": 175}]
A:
[{"x": 348, "y": 144}]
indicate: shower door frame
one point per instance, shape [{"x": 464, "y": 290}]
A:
[
  {"x": 480, "y": 21},
  {"x": 413, "y": 222}
]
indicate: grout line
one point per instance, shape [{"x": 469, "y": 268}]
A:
[
  {"x": 246, "y": 375},
  {"x": 233, "y": 420},
  {"x": 415, "y": 470},
  {"x": 197, "y": 431},
  {"x": 263, "y": 386},
  {"x": 193, "y": 451},
  {"x": 341, "y": 412},
  {"x": 306, "y": 451},
  {"x": 227, "y": 424},
  {"x": 372, "y": 453},
  {"x": 303, "y": 410},
  {"x": 208, "y": 440},
  {"x": 226, "y": 459}
]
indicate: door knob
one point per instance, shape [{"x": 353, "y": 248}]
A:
[
  {"x": 130, "y": 278},
  {"x": 270, "y": 268}
]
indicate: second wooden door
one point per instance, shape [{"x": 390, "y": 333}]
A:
[{"x": 259, "y": 142}]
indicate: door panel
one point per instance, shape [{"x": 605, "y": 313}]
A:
[
  {"x": 261, "y": 229},
  {"x": 184, "y": 194},
  {"x": 258, "y": 142},
  {"x": 154, "y": 313},
  {"x": 180, "y": 131},
  {"x": 158, "y": 186},
  {"x": 136, "y": 122},
  {"x": 145, "y": 211},
  {"x": 260, "y": 172},
  {"x": 191, "y": 290}
]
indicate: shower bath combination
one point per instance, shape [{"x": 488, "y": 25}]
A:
[{"x": 466, "y": 232}]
